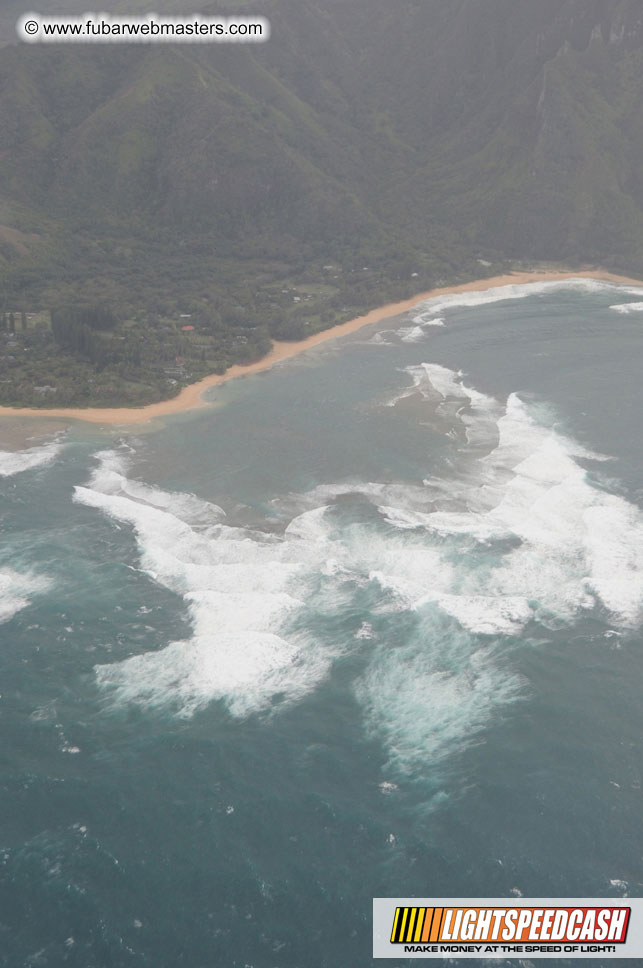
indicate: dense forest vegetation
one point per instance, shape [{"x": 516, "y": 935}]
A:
[{"x": 366, "y": 152}]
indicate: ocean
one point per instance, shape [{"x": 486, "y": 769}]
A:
[{"x": 369, "y": 627}]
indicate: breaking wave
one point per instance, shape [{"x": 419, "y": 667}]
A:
[
  {"x": 431, "y": 311},
  {"x": 484, "y": 297},
  {"x": 633, "y": 307},
  {"x": 434, "y": 585},
  {"x": 15, "y": 462},
  {"x": 240, "y": 587},
  {"x": 420, "y": 330}
]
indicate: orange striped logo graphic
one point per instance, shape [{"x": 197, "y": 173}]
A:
[
  {"x": 567, "y": 925},
  {"x": 417, "y": 925}
]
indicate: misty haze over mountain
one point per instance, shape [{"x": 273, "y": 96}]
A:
[{"x": 414, "y": 134}]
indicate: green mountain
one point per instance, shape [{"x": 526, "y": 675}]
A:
[{"x": 409, "y": 138}]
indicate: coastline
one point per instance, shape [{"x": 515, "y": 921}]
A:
[{"x": 190, "y": 397}]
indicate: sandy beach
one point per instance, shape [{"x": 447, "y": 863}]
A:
[{"x": 190, "y": 398}]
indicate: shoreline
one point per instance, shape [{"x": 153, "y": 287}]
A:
[{"x": 190, "y": 397}]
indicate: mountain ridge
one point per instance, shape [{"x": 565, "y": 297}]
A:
[{"x": 304, "y": 138}]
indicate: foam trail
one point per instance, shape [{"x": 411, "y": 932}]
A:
[
  {"x": 428, "y": 700},
  {"x": 16, "y": 462},
  {"x": 15, "y": 592},
  {"x": 633, "y": 307}
]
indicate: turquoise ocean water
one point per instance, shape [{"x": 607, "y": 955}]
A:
[{"x": 369, "y": 627}]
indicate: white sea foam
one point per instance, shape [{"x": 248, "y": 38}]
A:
[
  {"x": 379, "y": 339},
  {"x": 487, "y": 614},
  {"x": 615, "y": 552},
  {"x": 16, "y": 462},
  {"x": 407, "y": 495},
  {"x": 365, "y": 631},
  {"x": 412, "y": 334},
  {"x": 421, "y": 383},
  {"x": 240, "y": 588},
  {"x": 521, "y": 534},
  {"x": 406, "y": 520},
  {"x": 483, "y": 297},
  {"x": 429, "y": 700},
  {"x": 633, "y": 307},
  {"x": 477, "y": 412},
  {"x": 409, "y": 572},
  {"x": 417, "y": 333},
  {"x": 575, "y": 542},
  {"x": 16, "y": 591},
  {"x": 110, "y": 478},
  {"x": 620, "y": 885},
  {"x": 387, "y": 787},
  {"x": 568, "y": 543},
  {"x": 431, "y": 309},
  {"x": 428, "y": 319}
]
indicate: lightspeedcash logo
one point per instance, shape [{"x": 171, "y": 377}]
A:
[{"x": 491, "y": 928}]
